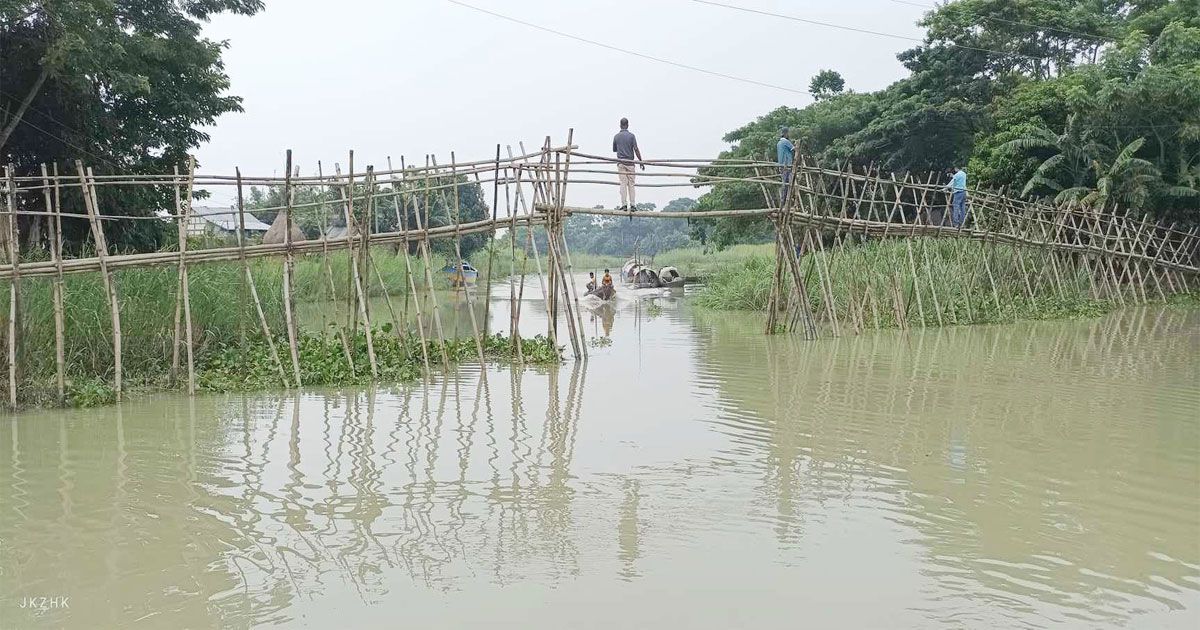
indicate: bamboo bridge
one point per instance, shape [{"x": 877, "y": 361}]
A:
[{"x": 827, "y": 210}]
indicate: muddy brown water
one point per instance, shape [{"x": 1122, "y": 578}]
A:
[{"x": 693, "y": 473}]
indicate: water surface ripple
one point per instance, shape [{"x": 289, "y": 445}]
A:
[{"x": 694, "y": 473}]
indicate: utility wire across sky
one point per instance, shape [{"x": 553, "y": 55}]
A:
[{"x": 631, "y": 52}]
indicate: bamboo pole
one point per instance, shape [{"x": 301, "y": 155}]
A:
[
  {"x": 184, "y": 281},
  {"x": 514, "y": 328},
  {"x": 401, "y": 224},
  {"x": 491, "y": 246},
  {"x": 289, "y": 305},
  {"x": 370, "y": 258},
  {"x": 14, "y": 285},
  {"x": 328, "y": 267},
  {"x": 566, "y": 248},
  {"x": 359, "y": 293},
  {"x": 249, "y": 280},
  {"x": 423, "y": 246},
  {"x": 455, "y": 217},
  {"x": 173, "y": 374},
  {"x": 56, "y": 245},
  {"x": 114, "y": 307},
  {"x": 531, "y": 243},
  {"x": 555, "y": 256},
  {"x": 915, "y": 281}
]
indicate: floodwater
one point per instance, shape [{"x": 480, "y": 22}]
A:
[{"x": 693, "y": 473}]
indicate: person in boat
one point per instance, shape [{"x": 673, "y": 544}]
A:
[
  {"x": 607, "y": 280},
  {"x": 591, "y": 285}
]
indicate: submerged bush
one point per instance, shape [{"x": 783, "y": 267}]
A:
[{"x": 323, "y": 359}]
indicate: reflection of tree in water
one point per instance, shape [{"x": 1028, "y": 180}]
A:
[{"x": 1005, "y": 447}]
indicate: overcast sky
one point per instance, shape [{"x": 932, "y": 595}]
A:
[{"x": 411, "y": 77}]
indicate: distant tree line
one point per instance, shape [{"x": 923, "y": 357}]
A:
[
  {"x": 623, "y": 236},
  {"x": 319, "y": 210}
]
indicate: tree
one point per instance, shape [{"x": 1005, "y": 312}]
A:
[
  {"x": 1067, "y": 171},
  {"x": 1120, "y": 79},
  {"x": 827, "y": 84},
  {"x": 124, "y": 85}
]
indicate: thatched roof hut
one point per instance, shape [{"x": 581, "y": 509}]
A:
[{"x": 276, "y": 232}]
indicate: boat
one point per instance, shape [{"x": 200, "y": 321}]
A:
[
  {"x": 646, "y": 278},
  {"x": 670, "y": 278},
  {"x": 462, "y": 275},
  {"x": 603, "y": 292},
  {"x": 629, "y": 270},
  {"x": 642, "y": 276}
]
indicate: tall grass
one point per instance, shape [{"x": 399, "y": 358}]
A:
[
  {"x": 222, "y": 313},
  {"x": 951, "y": 284}
]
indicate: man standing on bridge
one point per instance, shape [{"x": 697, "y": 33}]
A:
[
  {"x": 958, "y": 197},
  {"x": 785, "y": 154},
  {"x": 626, "y": 147}
]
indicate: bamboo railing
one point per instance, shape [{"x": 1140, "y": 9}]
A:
[{"x": 822, "y": 212}]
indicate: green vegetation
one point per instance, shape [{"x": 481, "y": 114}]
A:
[
  {"x": 1097, "y": 103},
  {"x": 222, "y": 317},
  {"x": 952, "y": 285},
  {"x": 740, "y": 286},
  {"x": 128, "y": 86},
  {"x": 323, "y": 360}
]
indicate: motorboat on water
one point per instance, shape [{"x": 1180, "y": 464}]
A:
[
  {"x": 460, "y": 276},
  {"x": 643, "y": 276}
]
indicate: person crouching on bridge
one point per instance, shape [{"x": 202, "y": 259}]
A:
[
  {"x": 785, "y": 154},
  {"x": 626, "y": 147},
  {"x": 958, "y": 197}
]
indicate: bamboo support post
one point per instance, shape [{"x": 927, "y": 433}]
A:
[
  {"x": 340, "y": 333},
  {"x": 491, "y": 246},
  {"x": 14, "y": 284},
  {"x": 431, "y": 295},
  {"x": 356, "y": 278},
  {"x": 249, "y": 280},
  {"x": 183, "y": 300},
  {"x": 91, "y": 202},
  {"x": 289, "y": 305},
  {"x": 56, "y": 254},
  {"x": 457, "y": 206},
  {"x": 402, "y": 224}
]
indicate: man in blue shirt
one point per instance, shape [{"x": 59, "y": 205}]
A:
[
  {"x": 958, "y": 197},
  {"x": 785, "y": 154}
]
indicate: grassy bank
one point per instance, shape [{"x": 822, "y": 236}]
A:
[
  {"x": 223, "y": 318},
  {"x": 873, "y": 284}
]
